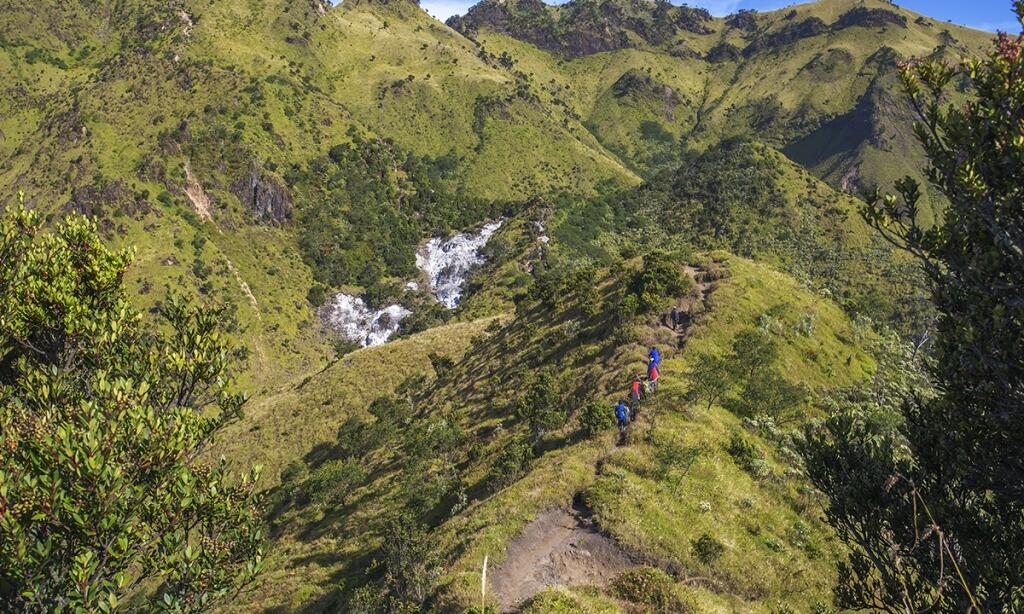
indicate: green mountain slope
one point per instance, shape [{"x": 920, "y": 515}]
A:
[
  {"x": 437, "y": 453},
  {"x": 818, "y": 77},
  {"x": 266, "y": 155}
]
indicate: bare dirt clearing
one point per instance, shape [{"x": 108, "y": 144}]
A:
[{"x": 559, "y": 548}]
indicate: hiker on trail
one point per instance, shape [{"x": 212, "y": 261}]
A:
[
  {"x": 634, "y": 397},
  {"x": 654, "y": 357},
  {"x": 653, "y": 377},
  {"x": 622, "y": 417},
  {"x": 675, "y": 318}
]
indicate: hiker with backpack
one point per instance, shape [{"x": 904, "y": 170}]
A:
[
  {"x": 675, "y": 317},
  {"x": 652, "y": 377},
  {"x": 654, "y": 357},
  {"x": 634, "y": 396},
  {"x": 622, "y": 418}
]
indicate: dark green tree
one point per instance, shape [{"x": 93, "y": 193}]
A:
[
  {"x": 752, "y": 351},
  {"x": 659, "y": 280},
  {"x": 934, "y": 510},
  {"x": 710, "y": 379},
  {"x": 103, "y": 423},
  {"x": 542, "y": 406}
]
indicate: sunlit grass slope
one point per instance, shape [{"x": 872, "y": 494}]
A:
[{"x": 776, "y": 549}]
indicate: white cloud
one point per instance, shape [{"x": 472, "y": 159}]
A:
[
  {"x": 443, "y": 9},
  {"x": 1010, "y": 25},
  {"x": 719, "y": 8}
]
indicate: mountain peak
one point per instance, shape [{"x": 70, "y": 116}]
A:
[{"x": 582, "y": 27}]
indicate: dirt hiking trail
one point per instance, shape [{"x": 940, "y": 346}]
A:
[
  {"x": 564, "y": 546},
  {"x": 559, "y": 548}
]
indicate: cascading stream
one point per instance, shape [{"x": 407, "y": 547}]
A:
[
  {"x": 350, "y": 316},
  {"x": 447, "y": 263}
]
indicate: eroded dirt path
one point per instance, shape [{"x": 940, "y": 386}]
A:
[
  {"x": 692, "y": 305},
  {"x": 564, "y": 546},
  {"x": 196, "y": 194},
  {"x": 561, "y": 547}
]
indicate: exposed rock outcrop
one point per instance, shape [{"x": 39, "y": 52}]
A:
[
  {"x": 869, "y": 18},
  {"x": 264, "y": 195},
  {"x": 633, "y": 83},
  {"x": 583, "y": 27},
  {"x": 724, "y": 52},
  {"x": 745, "y": 20},
  {"x": 693, "y": 20},
  {"x": 679, "y": 49},
  {"x": 526, "y": 20},
  {"x": 102, "y": 199},
  {"x": 787, "y": 35}
]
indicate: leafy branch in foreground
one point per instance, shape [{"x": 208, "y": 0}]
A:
[
  {"x": 932, "y": 502},
  {"x": 102, "y": 422}
]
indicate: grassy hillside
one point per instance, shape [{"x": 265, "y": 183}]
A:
[
  {"x": 219, "y": 168},
  {"x": 749, "y": 199},
  {"x": 232, "y": 145},
  {"x": 438, "y": 453},
  {"x": 818, "y": 77},
  {"x": 265, "y": 155}
]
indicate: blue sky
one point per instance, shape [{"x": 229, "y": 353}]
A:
[{"x": 988, "y": 15}]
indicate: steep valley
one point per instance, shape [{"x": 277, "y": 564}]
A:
[{"x": 446, "y": 249}]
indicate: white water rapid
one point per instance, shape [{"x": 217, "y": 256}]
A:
[
  {"x": 448, "y": 262},
  {"x": 350, "y": 316}
]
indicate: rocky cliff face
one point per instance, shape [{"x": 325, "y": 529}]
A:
[
  {"x": 583, "y": 27},
  {"x": 268, "y": 200},
  {"x": 869, "y": 18},
  {"x": 787, "y": 35}
]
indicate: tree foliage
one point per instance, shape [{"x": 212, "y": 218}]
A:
[
  {"x": 542, "y": 407},
  {"x": 660, "y": 279},
  {"x": 943, "y": 496},
  {"x": 750, "y": 367},
  {"x": 102, "y": 425},
  {"x": 369, "y": 204}
]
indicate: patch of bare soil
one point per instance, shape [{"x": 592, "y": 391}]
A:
[
  {"x": 196, "y": 194},
  {"x": 559, "y": 548}
]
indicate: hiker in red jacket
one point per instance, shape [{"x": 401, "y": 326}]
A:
[
  {"x": 653, "y": 375},
  {"x": 634, "y": 397}
]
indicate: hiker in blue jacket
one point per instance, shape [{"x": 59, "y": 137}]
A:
[
  {"x": 622, "y": 416},
  {"x": 654, "y": 361}
]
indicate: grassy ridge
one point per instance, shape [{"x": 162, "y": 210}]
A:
[
  {"x": 766, "y": 521},
  {"x": 769, "y": 525}
]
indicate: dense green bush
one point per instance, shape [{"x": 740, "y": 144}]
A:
[
  {"x": 317, "y": 294},
  {"x": 511, "y": 464},
  {"x": 333, "y": 482},
  {"x": 541, "y": 407},
  {"x": 101, "y": 423},
  {"x": 744, "y": 453},
  {"x": 596, "y": 417},
  {"x": 707, "y": 549},
  {"x": 659, "y": 281},
  {"x": 651, "y": 587},
  {"x": 554, "y": 601}
]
